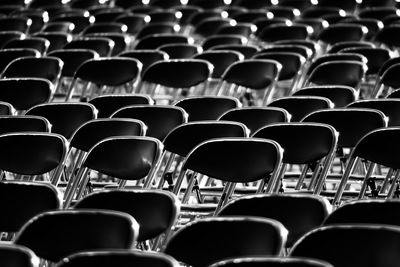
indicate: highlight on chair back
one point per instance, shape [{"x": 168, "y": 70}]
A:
[{"x": 272, "y": 262}]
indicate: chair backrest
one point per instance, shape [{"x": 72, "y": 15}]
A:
[
  {"x": 6, "y": 36},
  {"x": 388, "y": 36},
  {"x": 157, "y": 28},
  {"x": 8, "y": 55},
  {"x": 349, "y": 44},
  {"x": 146, "y": 57},
  {"x": 223, "y": 39},
  {"x": 205, "y": 241},
  {"x": 386, "y": 81},
  {"x": 342, "y": 32},
  {"x": 156, "y": 40},
  {"x": 279, "y": 32},
  {"x": 300, "y": 106},
  {"x": 180, "y": 51},
  {"x": 23, "y": 123},
  {"x": 272, "y": 262},
  {"x": 379, "y": 242},
  {"x": 81, "y": 230},
  {"x": 390, "y": 107},
  {"x": 134, "y": 22},
  {"x": 105, "y": 27},
  {"x": 103, "y": 46},
  {"x": 298, "y": 213},
  {"x": 160, "y": 120},
  {"x": 65, "y": 118},
  {"x": 340, "y": 95},
  {"x": 57, "y": 39},
  {"x": 221, "y": 60},
  {"x": 118, "y": 258},
  {"x": 216, "y": 106},
  {"x": 38, "y": 43},
  {"x": 248, "y": 51},
  {"x": 12, "y": 255},
  {"x": 156, "y": 211}
]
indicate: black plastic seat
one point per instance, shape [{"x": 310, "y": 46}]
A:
[
  {"x": 340, "y": 95},
  {"x": 373, "y": 25},
  {"x": 57, "y": 39},
  {"x": 256, "y": 117},
  {"x": 180, "y": 51},
  {"x": 248, "y": 51},
  {"x": 221, "y": 60},
  {"x": 58, "y": 27},
  {"x": 157, "y": 28},
  {"x": 378, "y": 12},
  {"x": 118, "y": 257},
  {"x": 388, "y": 36},
  {"x": 390, "y": 107},
  {"x": 134, "y": 22},
  {"x": 231, "y": 237},
  {"x": 20, "y": 24},
  {"x": 342, "y": 32},
  {"x": 387, "y": 80},
  {"x": 349, "y": 44},
  {"x": 279, "y": 32},
  {"x": 23, "y": 123},
  {"x": 272, "y": 262},
  {"x": 82, "y": 230},
  {"x": 8, "y": 55},
  {"x": 6, "y": 36},
  {"x": 211, "y": 26},
  {"x": 146, "y": 56},
  {"x": 17, "y": 256},
  {"x": 223, "y": 39},
  {"x": 156, "y": 40},
  {"x": 245, "y": 29},
  {"x": 378, "y": 242},
  {"x": 101, "y": 45},
  {"x": 105, "y": 27},
  {"x": 298, "y": 213}
]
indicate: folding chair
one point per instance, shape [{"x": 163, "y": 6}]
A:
[
  {"x": 174, "y": 79},
  {"x": 300, "y": 106},
  {"x": 13, "y": 255},
  {"x": 388, "y": 37},
  {"x": 180, "y": 51},
  {"x": 160, "y": 16},
  {"x": 210, "y": 26},
  {"x": 6, "y": 36},
  {"x": 390, "y": 107},
  {"x": 386, "y": 82},
  {"x": 146, "y": 56},
  {"x": 272, "y": 261},
  {"x": 133, "y": 159},
  {"x": 250, "y": 16},
  {"x": 109, "y": 15},
  {"x": 247, "y": 51},
  {"x": 157, "y": 28},
  {"x": 156, "y": 211},
  {"x": 316, "y": 11},
  {"x": 223, "y": 39},
  {"x": 33, "y": 154},
  {"x": 23, "y": 123},
  {"x": 377, "y": 12},
  {"x": 38, "y": 43},
  {"x": 298, "y": 213},
  {"x": 20, "y": 24},
  {"x": 159, "y": 119},
  {"x": 182, "y": 139},
  {"x": 80, "y": 21},
  {"x": 32, "y": 67},
  {"x": 352, "y": 124},
  {"x": 134, "y": 22},
  {"x": 207, "y": 107},
  {"x": 349, "y": 44},
  {"x": 58, "y": 27},
  {"x": 300, "y": 4},
  {"x": 251, "y": 4},
  {"x": 373, "y": 25},
  {"x": 101, "y": 45},
  {"x": 341, "y": 32},
  {"x": 105, "y": 27},
  {"x": 252, "y": 75},
  {"x": 57, "y": 39},
  {"x": 65, "y": 118},
  {"x": 265, "y": 22},
  {"x": 278, "y": 32},
  {"x": 291, "y": 48},
  {"x": 107, "y": 74},
  {"x": 379, "y": 242},
  {"x": 317, "y": 24},
  {"x": 340, "y": 95},
  {"x": 245, "y": 29},
  {"x": 229, "y": 236},
  {"x": 156, "y": 40},
  {"x": 284, "y": 12},
  {"x": 256, "y": 117},
  {"x": 118, "y": 257},
  {"x": 8, "y": 55},
  {"x": 83, "y": 230}
]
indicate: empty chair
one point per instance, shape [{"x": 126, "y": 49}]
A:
[
  {"x": 14, "y": 255},
  {"x": 159, "y": 119},
  {"x": 156, "y": 211},
  {"x": 379, "y": 242},
  {"x": 176, "y": 78},
  {"x": 256, "y": 75},
  {"x": 101, "y": 45},
  {"x": 247, "y": 51},
  {"x": 6, "y": 36},
  {"x": 20, "y": 24},
  {"x": 390, "y": 107},
  {"x": 105, "y": 27},
  {"x": 386, "y": 81},
  {"x": 349, "y": 44},
  {"x": 57, "y": 39},
  {"x": 8, "y": 55},
  {"x": 58, "y": 26},
  {"x": 80, "y": 21},
  {"x": 253, "y": 237},
  {"x": 24, "y": 93},
  {"x": 223, "y": 39},
  {"x": 373, "y": 25},
  {"x": 340, "y": 95},
  {"x": 82, "y": 230},
  {"x": 23, "y": 123},
  {"x": 157, "y": 28},
  {"x": 177, "y": 51},
  {"x": 298, "y": 213},
  {"x": 245, "y": 29},
  {"x": 272, "y": 261},
  {"x": 146, "y": 56},
  {"x": 207, "y": 107},
  {"x": 134, "y": 22},
  {"x": 300, "y": 106},
  {"x": 256, "y": 117},
  {"x": 118, "y": 257},
  {"x": 388, "y": 36},
  {"x": 106, "y": 74},
  {"x": 38, "y": 43},
  {"x": 210, "y": 26},
  {"x": 156, "y": 40},
  {"x": 65, "y": 118},
  {"x": 32, "y": 67},
  {"x": 110, "y": 103},
  {"x": 378, "y": 12},
  {"x": 342, "y": 32},
  {"x": 280, "y": 32}
]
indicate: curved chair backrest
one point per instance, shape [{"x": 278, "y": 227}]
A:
[
  {"x": 223, "y": 39},
  {"x": 380, "y": 243},
  {"x": 335, "y": 48},
  {"x": 103, "y": 46},
  {"x": 205, "y": 241},
  {"x": 387, "y": 80},
  {"x": 160, "y": 120},
  {"x": 38, "y": 43},
  {"x": 81, "y": 230},
  {"x": 20, "y": 24},
  {"x": 221, "y": 60},
  {"x": 57, "y": 39},
  {"x": 134, "y": 22},
  {"x": 390, "y": 107},
  {"x": 156, "y": 211},
  {"x": 118, "y": 258},
  {"x": 350, "y": 73},
  {"x": 293, "y": 48},
  {"x": 156, "y": 40},
  {"x": 243, "y": 28},
  {"x": 6, "y": 36},
  {"x": 93, "y": 131},
  {"x": 105, "y": 27},
  {"x": 72, "y": 59},
  {"x": 279, "y": 32},
  {"x": 388, "y": 36},
  {"x": 342, "y": 32},
  {"x": 21, "y": 201},
  {"x": 65, "y": 118},
  {"x": 216, "y": 106},
  {"x": 298, "y": 213},
  {"x": 388, "y": 64},
  {"x": 210, "y": 26},
  {"x": 23, "y": 123},
  {"x": 300, "y": 106},
  {"x": 256, "y": 117},
  {"x": 340, "y": 95},
  {"x": 12, "y": 255},
  {"x": 351, "y": 123},
  {"x": 24, "y": 93},
  {"x": 8, "y": 55},
  {"x": 146, "y": 57},
  {"x": 109, "y": 103},
  {"x": 121, "y": 41},
  {"x": 44, "y": 67},
  {"x": 180, "y": 51},
  {"x": 248, "y": 51},
  {"x": 156, "y": 28},
  {"x": 6, "y": 108},
  {"x": 272, "y": 262}
]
